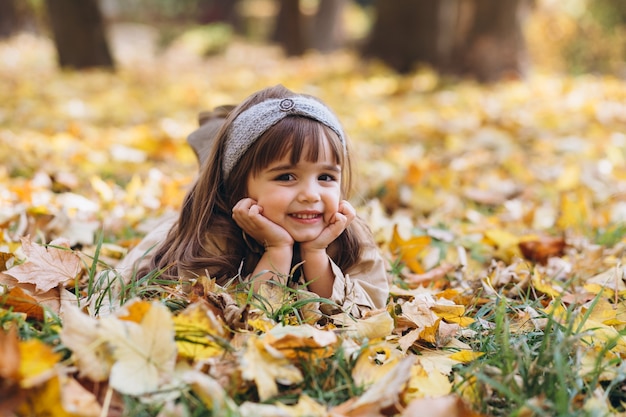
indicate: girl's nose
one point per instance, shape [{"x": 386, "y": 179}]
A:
[{"x": 309, "y": 193}]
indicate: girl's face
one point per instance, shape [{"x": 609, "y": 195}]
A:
[{"x": 300, "y": 198}]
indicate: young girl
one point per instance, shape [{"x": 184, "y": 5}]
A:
[{"x": 271, "y": 197}]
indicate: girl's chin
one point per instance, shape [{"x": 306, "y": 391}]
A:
[{"x": 305, "y": 237}]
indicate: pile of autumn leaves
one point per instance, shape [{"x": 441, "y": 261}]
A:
[{"x": 473, "y": 192}]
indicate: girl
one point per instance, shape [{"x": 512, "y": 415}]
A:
[{"x": 271, "y": 197}]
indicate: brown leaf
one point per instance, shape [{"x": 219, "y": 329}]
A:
[
  {"x": 9, "y": 356},
  {"x": 10, "y": 393},
  {"x": 46, "y": 267},
  {"x": 541, "y": 249},
  {"x": 4, "y": 258},
  {"x": 17, "y": 300}
]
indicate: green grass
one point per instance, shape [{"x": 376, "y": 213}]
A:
[{"x": 536, "y": 372}]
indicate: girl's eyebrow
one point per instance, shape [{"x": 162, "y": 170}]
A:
[{"x": 286, "y": 167}]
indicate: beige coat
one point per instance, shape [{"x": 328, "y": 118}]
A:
[{"x": 361, "y": 288}]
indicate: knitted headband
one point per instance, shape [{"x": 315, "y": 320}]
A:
[{"x": 253, "y": 122}]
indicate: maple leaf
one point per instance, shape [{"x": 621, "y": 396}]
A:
[
  {"x": 144, "y": 353},
  {"x": 266, "y": 366},
  {"x": 47, "y": 267}
]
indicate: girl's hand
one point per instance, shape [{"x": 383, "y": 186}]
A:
[
  {"x": 249, "y": 216},
  {"x": 337, "y": 224}
]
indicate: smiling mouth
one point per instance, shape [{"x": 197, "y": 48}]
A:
[{"x": 305, "y": 216}]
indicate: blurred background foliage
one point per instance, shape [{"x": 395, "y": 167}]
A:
[{"x": 567, "y": 36}]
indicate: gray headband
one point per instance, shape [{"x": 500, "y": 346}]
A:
[{"x": 253, "y": 122}]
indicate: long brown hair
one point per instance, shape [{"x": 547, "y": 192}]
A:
[{"x": 206, "y": 211}]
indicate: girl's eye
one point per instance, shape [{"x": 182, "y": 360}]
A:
[
  {"x": 327, "y": 177},
  {"x": 285, "y": 177}
]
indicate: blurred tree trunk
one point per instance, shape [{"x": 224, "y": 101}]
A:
[
  {"x": 297, "y": 32},
  {"x": 494, "y": 47},
  {"x": 478, "y": 38},
  {"x": 405, "y": 32},
  {"x": 9, "y": 18},
  {"x": 209, "y": 11},
  {"x": 79, "y": 33},
  {"x": 328, "y": 32},
  {"x": 289, "y": 30}
]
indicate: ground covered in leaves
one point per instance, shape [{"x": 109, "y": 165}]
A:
[{"x": 501, "y": 209}]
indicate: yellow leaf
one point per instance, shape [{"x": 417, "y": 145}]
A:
[
  {"x": 45, "y": 400},
  {"x": 570, "y": 177},
  {"x": 429, "y": 334},
  {"x": 466, "y": 356},
  {"x": 409, "y": 250},
  {"x": 267, "y": 366},
  {"x": 196, "y": 328},
  {"x": 541, "y": 284},
  {"x": 134, "y": 310},
  {"x": 375, "y": 362},
  {"x": 427, "y": 384},
  {"x": 575, "y": 209},
  {"x": 305, "y": 406},
  {"x": 301, "y": 341},
  {"x": 37, "y": 362},
  {"x": 505, "y": 243},
  {"x": 384, "y": 393},
  {"x": 609, "y": 282},
  {"x": 608, "y": 313},
  {"x": 449, "y": 312}
]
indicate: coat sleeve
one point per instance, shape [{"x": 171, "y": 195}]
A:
[
  {"x": 142, "y": 253},
  {"x": 365, "y": 286}
]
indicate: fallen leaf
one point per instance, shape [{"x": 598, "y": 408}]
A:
[
  {"x": 17, "y": 300},
  {"x": 267, "y": 366},
  {"x": 144, "y": 353},
  {"x": 541, "y": 249},
  {"x": 384, "y": 393},
  {"x": 37, "y": 362},
  {"x": 197, "y": 329},
  {"x": 445, "y": 406},
  {"x": 46, "y": 267},
  {"x": 81, "y": 334},
  {"x": 408, "y": 250}
]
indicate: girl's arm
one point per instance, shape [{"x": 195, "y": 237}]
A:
[
  {"x": 317, "y": 267},
  {"x": 275, "y": 263}
]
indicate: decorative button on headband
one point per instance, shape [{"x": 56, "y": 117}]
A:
[{"x": 253, "y": 122}]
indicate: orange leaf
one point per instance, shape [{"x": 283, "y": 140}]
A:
[
  {"x": 9, "y": 355},
  {"x": 408, "y": 250},
  {"x": 20, "y": 302}
]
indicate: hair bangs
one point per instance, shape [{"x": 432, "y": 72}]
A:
[{"x": 298, "y": 137}]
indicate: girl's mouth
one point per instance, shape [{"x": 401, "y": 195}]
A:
[{"x": 306, "y": 216}]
